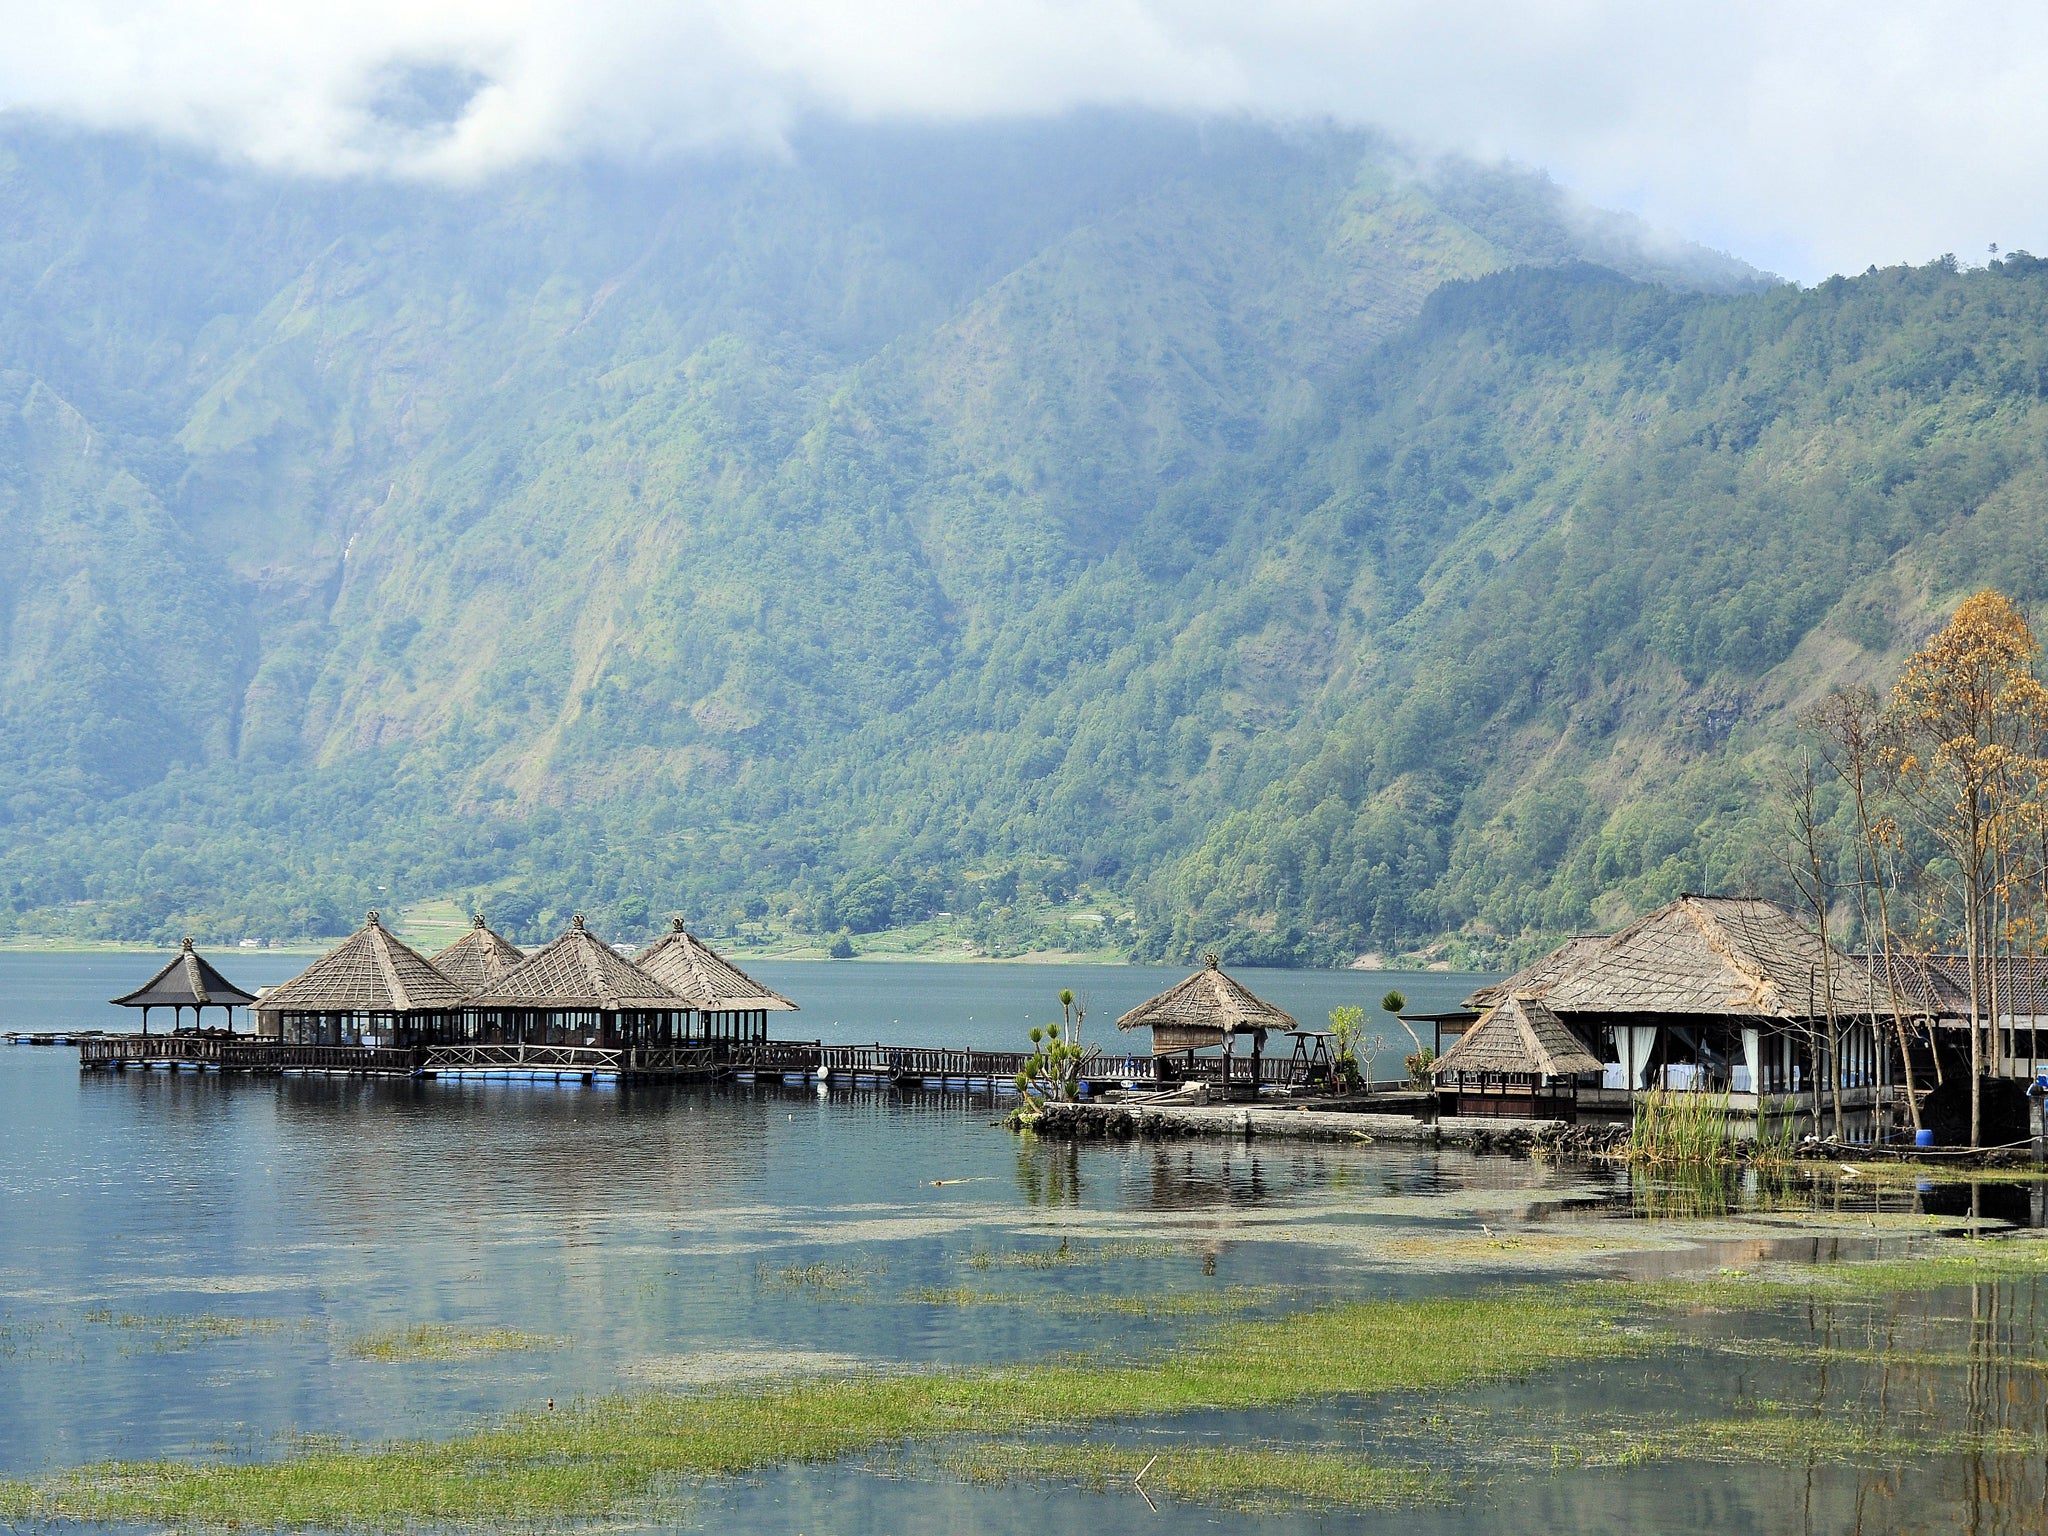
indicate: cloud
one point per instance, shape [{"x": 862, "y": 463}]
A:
[{"x": 1810, "y": 138}]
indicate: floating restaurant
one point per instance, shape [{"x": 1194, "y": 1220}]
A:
[
  {"x": 730, "y": 1005},
  {"x": 373, "y": 990},
  {"x": 577, "y": 991}
]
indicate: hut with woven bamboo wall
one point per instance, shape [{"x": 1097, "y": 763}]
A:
[
  {"x": 577, "y": 990},
  {"x": 730, "y": 1005},
  {"x": 1520, "y": 1059},
  {"x": 479, "y": 958},
  {"x": 373, "y": 989},
  {"x": 1209, "y": 1009},
  {"x": 189, "y": 981}
]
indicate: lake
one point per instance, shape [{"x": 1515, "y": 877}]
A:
[{"x": 205, "y": 1267}]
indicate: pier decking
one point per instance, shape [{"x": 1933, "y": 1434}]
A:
[{"x": 788, "y": 1061}]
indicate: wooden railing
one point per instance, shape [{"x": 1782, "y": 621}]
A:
[
  {"x": 520, "y": 1057},
  {"x": 244, "y": 1053}
]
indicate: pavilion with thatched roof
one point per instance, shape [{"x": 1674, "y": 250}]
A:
[
  {"x": 1519, "y": 1059},
  {"x": 1712, "y": 992},
  {"x": 479, "y": 958},
  {"x": 373, "y": 989},
  {"x": 1210, "y": 1008},
  {"x": 730, "y": 1005},
  {"x": 189, "y": 981},
  {"x": 577, "y": 990}
]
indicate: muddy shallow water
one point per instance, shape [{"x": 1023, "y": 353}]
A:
[{"x": 199, "y": 1266}]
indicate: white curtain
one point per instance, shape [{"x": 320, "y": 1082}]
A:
[{"x": 1751, "y": 1063}]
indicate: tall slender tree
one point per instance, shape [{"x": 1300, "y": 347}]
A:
[
  {"x": 1969, "y": 711},
  {"x": 1851, "y": 726}
]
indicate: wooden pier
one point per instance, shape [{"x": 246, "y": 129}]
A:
[{"x": 938, "y": 1068}]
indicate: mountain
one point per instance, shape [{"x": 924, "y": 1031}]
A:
[{"x": 1312, "y": 550}]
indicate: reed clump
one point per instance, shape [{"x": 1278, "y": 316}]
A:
[{"x": 1686, "y": 1128}]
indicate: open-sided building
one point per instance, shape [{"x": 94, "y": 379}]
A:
[
  {"x": 730, "y": 1005},
  {"x": 373, "y": 989}
]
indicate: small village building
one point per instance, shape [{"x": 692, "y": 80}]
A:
[
  {"x": 1519, "y": 1059},
  {"x": 479, "y": 958},
  {"x": 578, "y": 991},
  {"x": 1209, "y": 1009},
  {"x": 373, "y": 989},
  {"x": 1714, "y": 993},
  {"x": 730, "y": 1005},
  {"x": 189, "y": 981},
  {"x": 2012, "y": 1009}
]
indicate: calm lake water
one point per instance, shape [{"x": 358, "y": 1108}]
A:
[{"x": 196, "y": 1265}]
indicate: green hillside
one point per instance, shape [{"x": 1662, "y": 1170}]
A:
[{"x": 1238, "y": 530}]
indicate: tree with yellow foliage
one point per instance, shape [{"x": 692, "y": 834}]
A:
[{"x": 1969, "y": 714}]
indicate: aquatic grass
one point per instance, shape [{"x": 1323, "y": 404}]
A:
[
  {"x": 1211, "y": 1303},
  {"x": 606, "y": 1455},
  {"x": 171, "y": 1333},
  {"x": 817, "y": 1279},
  {"x": 446, "y": 1341},
  {"x": 1069, "y": 1252},
  {"x": 1969, "y": 1261},
  {"x": 1836, "y": 1436},
  {"x": 1236, "y": 1477},
  {"x": 1687, "y": 1128}
]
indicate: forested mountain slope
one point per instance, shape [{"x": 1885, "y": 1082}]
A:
[{"x": 1319, "y": 554}]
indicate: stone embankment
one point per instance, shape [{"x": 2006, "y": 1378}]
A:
[{"x": 1166, "y": 1121}]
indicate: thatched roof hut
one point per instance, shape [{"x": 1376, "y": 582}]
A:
[
  {"x": 371, "y": 972},
  {"x": 1700, "y": 956},
  {"x": 1572, "y": 952},
  {"x": 1518, "y": 1037},
  {"x": 689, "y": 967},
  {"x": 479, "y": 958},
  {"x": 189, "y": 981},
  {"x": 579, "y": 973},
  {"x": 1202, "y": 1010}
]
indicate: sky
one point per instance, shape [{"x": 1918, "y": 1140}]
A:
[{"x": 1807, "y": 136}]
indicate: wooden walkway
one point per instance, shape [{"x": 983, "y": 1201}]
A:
[{"x": 788, "y": 1061}]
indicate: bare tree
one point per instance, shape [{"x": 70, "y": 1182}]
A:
[
  {"x": 1808, "y": 856},
  {"x": 1850, "y": 724}
]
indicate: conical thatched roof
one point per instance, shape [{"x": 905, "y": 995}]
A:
[
  {"x": 187, "y": 982},
  {"x": 1207, "y": 1000},
  {"x": 477, "y": 959},
  {"x": 686, "y": 965},
  {"x": 1728, "y": 955},
  {"x": 1520, "y": 1036},
  {"x": 373, "y": 971},
  {"x": 579, "y": 971}
]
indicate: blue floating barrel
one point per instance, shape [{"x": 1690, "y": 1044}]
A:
[{"x": 1923, "y": 1138}]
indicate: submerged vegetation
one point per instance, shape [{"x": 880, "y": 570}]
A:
[
  {"x": 447, "y": 1341},
  {"x": 604, "y": 1457},
  {"x": 1253, "y": 1477}
]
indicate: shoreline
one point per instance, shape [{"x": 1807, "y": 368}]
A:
[{"x": 1159, "y": 1122}]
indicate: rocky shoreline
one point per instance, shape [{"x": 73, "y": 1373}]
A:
[{"x": 1125, "y": 1122}]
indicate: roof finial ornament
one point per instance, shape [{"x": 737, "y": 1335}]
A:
[
  {"x": 675, "y": 925},
  {"x": 476, "y": 920},
  {"x": 371, "y": 920},
  {"x": 188, "y": 941},
  {"x": 576, "y": 921},
  {"x": 1210, "y": 957}
]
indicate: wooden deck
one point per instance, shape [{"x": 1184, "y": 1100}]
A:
[{"x": 792, "y": 1061}]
